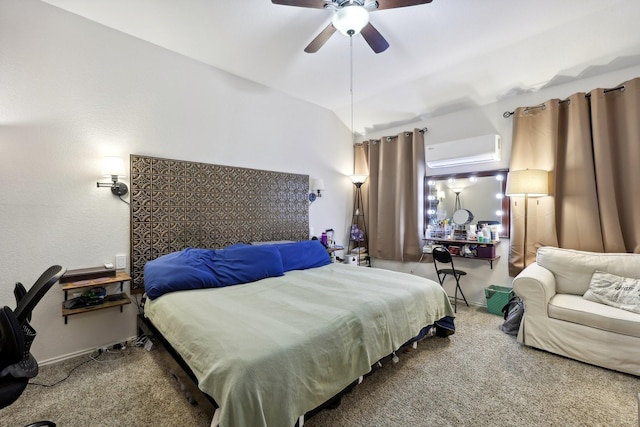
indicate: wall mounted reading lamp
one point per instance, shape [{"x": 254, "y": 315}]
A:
[
  {"x": 317, "y": 186},
  {"x": 113, "y": 167}
]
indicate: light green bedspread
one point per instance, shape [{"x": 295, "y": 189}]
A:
[{"x": 272, "y": 350}]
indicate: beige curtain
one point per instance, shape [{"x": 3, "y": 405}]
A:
[
  {"x": 393, "y": 194},
  {"x": 616, "y": 147},
  {"x": 591, "y": 145}
]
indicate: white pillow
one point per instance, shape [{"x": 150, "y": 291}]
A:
[{"x": 616, "y": 291}]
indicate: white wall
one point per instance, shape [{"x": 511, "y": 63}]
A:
[
  {"x": 73, "y": 91},
  {"x": 483, "y": 120}
]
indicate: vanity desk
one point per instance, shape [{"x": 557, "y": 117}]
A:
[{"x": 485, "y": 251}]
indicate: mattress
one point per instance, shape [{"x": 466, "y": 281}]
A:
[{"x": 269, "y": 351}]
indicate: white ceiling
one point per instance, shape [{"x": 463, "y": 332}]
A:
[{"x": 443, "y": 56}]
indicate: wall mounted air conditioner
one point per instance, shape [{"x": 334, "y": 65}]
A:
[{"x": 479, "y": 149}]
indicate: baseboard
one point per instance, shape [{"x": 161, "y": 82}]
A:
[{"x": 78, "y": 353}]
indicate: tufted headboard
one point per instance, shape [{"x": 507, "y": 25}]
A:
[{"x": 178, "y": 204}]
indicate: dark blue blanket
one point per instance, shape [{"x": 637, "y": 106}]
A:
[
  {"x": 210, "y": 268},
  {"x": 213, "y": 268}
]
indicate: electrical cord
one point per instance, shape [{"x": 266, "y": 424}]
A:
[
  {"x": 63, "y": 379},
  {"x": 92, "y": 358},
  {"x": 141, "y": 341},
  {"x": 140, "y": 304},
  {"x": 113, "y": 350}
]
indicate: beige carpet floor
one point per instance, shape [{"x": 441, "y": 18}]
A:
[{"x": 477, "y": 377}]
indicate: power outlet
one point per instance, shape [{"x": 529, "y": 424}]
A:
[{"x": 121, "y": 261}]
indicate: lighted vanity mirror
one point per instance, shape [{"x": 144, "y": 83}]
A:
[{"x": 467, "y": 199}]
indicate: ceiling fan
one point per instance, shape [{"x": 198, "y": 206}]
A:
[{"x": 350, "y": 17}]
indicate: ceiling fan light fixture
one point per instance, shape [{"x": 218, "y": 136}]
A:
[{"x": 350, "y": 19}]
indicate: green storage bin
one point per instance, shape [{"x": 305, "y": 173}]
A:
[{"x": 497, "y": 297}]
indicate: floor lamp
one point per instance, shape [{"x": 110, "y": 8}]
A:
[
  {"x": 527, "y": 183},
  {"x": 358, "y": 213}
]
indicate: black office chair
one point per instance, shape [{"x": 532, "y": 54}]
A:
[
  {"x": 17, "y": 365},
  {"x": 441, "y": 255}
]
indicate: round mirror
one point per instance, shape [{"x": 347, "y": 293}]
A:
[{"x": 462, "y": 217}]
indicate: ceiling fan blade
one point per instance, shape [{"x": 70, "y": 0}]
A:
[
  {"x": 374, "y": 38},
  {"x": 392, "y": 4},
  {"x": 314, "y": 4},
  {"x": 320, "y": 39}
]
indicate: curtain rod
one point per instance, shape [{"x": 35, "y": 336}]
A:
[
  {"x": 407, "y": 133},
  {"x": 508, "y": 114}
]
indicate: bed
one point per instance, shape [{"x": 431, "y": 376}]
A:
[
  {"x": 270, "y": 350},
  {"x": 267, "y": 332}
]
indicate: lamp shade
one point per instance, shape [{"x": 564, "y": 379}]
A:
[
  {"x": 113, "y": 166},
  {"x": 350, "y": 19},
  {"x": 528, "y": 182},
  {"x": 358, "y": 179},
  {"x": 318, "y": 184}
]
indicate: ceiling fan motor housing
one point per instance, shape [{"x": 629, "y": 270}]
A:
[{"x": 350, "y": 19}]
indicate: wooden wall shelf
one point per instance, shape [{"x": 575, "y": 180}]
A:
[{"x": 120, "y": 277}]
